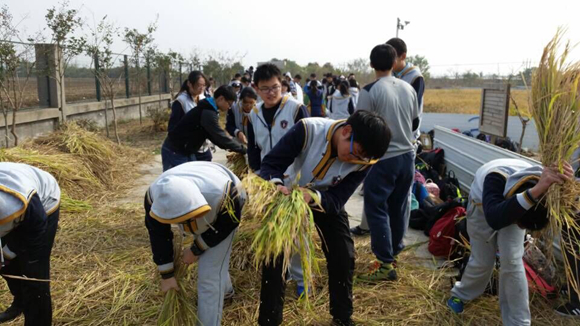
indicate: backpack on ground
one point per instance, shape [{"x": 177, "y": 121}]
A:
[
  {"x": 442, "y": 234},
  {"x": 449, "y": 187}
]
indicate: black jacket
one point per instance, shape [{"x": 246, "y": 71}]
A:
[{"x": 199, "y": 124}]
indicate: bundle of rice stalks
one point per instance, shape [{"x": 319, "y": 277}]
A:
[
  {"x": 97, "y": 152},
  {"x": 286, "y": 227},
  {"x": 177, "y": 308},
  {"x": 71, "y": 173},
  {"x": 237, "y": 164},
  {"x": 555, "y": 103}
]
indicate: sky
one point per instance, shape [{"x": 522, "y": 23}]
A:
[{"x": 491, "y": 36}]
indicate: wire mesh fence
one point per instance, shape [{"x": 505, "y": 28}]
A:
[
  {"x": 80, "y": 83},
  {"x": 18, "y": 77}
]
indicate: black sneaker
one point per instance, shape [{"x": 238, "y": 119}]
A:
[
  {"x": 359, "y": 232},
  {"x": 568, "y": 310},
  {"x": 341, "y": 322},
  {"x": 11, "y": 313}
]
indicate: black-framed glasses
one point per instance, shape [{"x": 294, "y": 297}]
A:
[
  {"x": 272, "y": 89},
  {"x": 351, "y": 148}
]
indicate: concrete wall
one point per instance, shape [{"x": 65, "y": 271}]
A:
[{"x": 36, "y": 122}]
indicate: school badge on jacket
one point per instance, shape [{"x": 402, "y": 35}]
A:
[{"x": 284, "y": 124}]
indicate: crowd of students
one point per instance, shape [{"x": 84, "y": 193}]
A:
[{"x": 343, "y": 137}]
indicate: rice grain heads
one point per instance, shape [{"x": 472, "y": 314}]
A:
[
  {"x": 287, "y": 227},
  {"x": 555, "y": 103}
]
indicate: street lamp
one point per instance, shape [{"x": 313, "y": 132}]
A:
[{"x": 400, "y": 25}]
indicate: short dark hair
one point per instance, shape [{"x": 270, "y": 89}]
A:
[
  {"x": 371, "y": 132},
  {"x": 248, "y": 92},
  {"x": 237, "y": 75},
  {"x": 298, "y": 77},
  {"x": 535, "y": 218},
  {"x": 286, "y": 83},
  {"x": 245, "y": 80},
  {"x": 312, "y": 75},
  {"x": 383, "y": 57},
  {"x": 227, "y": 92},
  {"x": 265, "y": 72},
  {"x": 353, "y": 83},
  {"x": 399, "y": 45}
]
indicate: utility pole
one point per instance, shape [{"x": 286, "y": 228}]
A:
[{"x": 400, "y": 25}]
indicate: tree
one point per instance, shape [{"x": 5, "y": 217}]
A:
[
  {"x": 422, "y": 63},
  {"x": 99, "y": 49},
  {"x": 139, "y": 43},
  {"x": 17, "y": 65},
  {"x": 63, "y": 23},
  {"x": 165, "y": 63}
]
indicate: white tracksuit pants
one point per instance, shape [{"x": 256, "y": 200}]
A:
[
  {"x": 513, "y": 285},
  {"x": 213, "y": 281}
]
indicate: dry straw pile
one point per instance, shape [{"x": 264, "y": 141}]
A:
[{"x": 555, "y": 103}]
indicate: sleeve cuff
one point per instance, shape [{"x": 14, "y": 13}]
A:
[
  {"x": 314, "y": 205},
  {"x": 201, "y": 244},
  {"x": 525, "y": 200},
  {"x": 166, "y": 270},
  {"x": 8, "y": 254},
  {"x": 277, "y": 181},
  {"x": 236, "y": 132}
]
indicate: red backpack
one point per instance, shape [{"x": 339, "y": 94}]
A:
[{"x": 441, "y": 236}]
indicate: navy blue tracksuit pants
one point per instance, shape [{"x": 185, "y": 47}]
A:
[{"x": 385, "y": 201}]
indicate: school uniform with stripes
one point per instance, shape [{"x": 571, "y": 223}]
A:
[
  {"x": 494, "y": 208},
  {"x": 192, "y": 196},
  {"x": 308, "y": 147},
  {"x": 29, "y": 212}
]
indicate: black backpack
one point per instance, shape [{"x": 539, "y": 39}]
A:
[{"x": 449, "y": 187}]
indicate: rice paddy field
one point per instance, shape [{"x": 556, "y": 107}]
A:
[
  {"x": 466, "y": 100},
  {"x": 103, "y": 273}
]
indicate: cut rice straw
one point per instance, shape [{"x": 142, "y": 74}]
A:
[
  {"x": 177, "y": 309},
  {"x": 236, "y": 162},
  {"x": 555, "y": 103},
  {"x": 287, "y": 227}
]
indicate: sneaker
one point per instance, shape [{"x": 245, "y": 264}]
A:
[
  {"x": 340, "y": 322},
  {"x": 300, "y": 291},
  {"x": 568, "y": 310},
  {"x": 455, "y": 304},
  {"x": 358, "y": 231},
  {"x": 379, "y": 272}
]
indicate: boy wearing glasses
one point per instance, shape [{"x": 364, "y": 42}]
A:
[
  {"x": 387, "y": 184},
  {"x": 237, "y": 118},
  {"x": 274, "y": 117},
  {"x": 268, "y": 122},
  {"x": 332, "y": 158}
]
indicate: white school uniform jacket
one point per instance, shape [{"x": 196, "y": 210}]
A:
[
  {"x": 299, "y": 94},
  {"x": 192, "y": 195},
  {"x": 338, "y": 106},
  {"x": 18, "y": 183},
  {"x": 241, "y": 118},
  {"x": 266, "y": 137},
  {"x": 409, "y": 74},
  {"x": 354, "y": 93},
  {"x": 315, "y": 164},
  {"x": 516, "y": 172}
]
